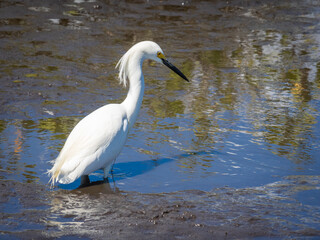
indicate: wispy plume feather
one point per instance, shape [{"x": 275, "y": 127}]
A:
[{"x": 123, "y": 65}]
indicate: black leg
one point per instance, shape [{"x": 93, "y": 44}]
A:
[
  {"x": 106, "y": 180},
  {"x": 85, "y": 180}
]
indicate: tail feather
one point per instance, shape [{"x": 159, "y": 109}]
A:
[
  {"x": 54, "y": 176},
  {"x": 65, "y": 172},
  {"x": 55, "y": 171}
]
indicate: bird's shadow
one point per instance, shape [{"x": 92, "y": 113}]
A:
[{"x": 126, "y": 170}]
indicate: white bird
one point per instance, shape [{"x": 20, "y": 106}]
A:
[{"x": 98, "y": 138}]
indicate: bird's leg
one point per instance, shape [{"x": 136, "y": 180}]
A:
[
  {"x": 85, "y": 180},
  {"x": 106, "y": 171}
]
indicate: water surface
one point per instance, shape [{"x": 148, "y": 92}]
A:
[{"x": 234, "y": 153}]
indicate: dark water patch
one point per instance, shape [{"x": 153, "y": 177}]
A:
[
  {"x": 12, "y": 21},
  {"x": 5, "y": 34}
]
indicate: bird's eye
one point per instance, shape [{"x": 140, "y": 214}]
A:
[{"x": 160, "y": 55}]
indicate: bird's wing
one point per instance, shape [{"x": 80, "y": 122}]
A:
[{"x": 89, "y": 136}]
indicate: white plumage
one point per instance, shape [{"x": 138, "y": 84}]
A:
[{"x": 97, "y": 139}]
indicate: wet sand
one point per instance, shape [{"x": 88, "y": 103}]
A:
[{"x": 100, "y": 212}]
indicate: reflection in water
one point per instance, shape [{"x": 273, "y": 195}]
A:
[
  {"x": 59, "y": 127},
  {"x": 283, "y": 114},
  {"x": 79, "y": 205},
  {"x": 18, "y": 142},
  {"x": 21, "y": 139},
  {"x": 255, "y": 81}
]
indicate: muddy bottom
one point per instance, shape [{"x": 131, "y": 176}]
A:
[{"x": 100, "y": 211}]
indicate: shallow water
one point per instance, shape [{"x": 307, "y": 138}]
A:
[{"x": 232, "y": 154}]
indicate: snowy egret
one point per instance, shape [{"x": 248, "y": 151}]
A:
[{"x": 98, "y": 138}]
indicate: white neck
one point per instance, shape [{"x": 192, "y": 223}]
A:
[{"x": 133, "y": 101}]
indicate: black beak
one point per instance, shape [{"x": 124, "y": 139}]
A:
[{"x": 173, "y": 68}]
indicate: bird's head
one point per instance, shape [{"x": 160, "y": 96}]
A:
[
  {"x": 146, "y": 50},
  {"x": 154, "y": 52}
]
